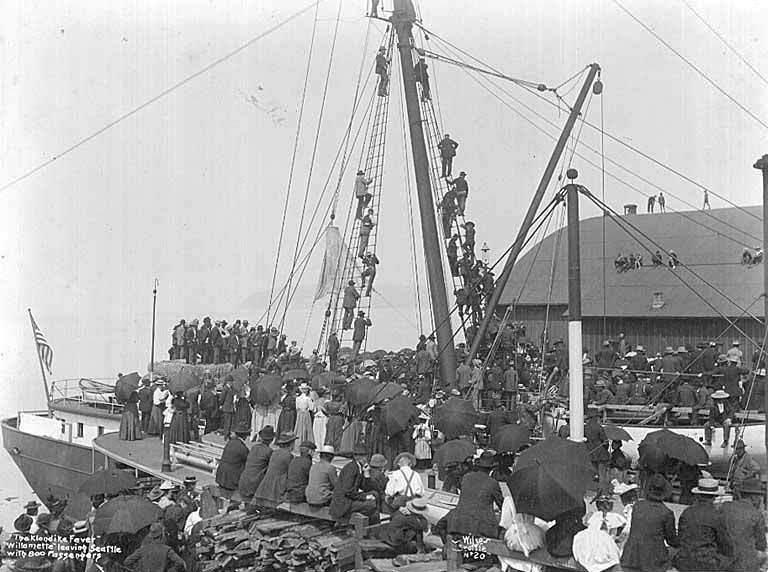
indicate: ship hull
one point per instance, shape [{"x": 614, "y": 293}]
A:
[{"x": 50, "y": 466}]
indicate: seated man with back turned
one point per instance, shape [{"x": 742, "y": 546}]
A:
[{"x": 349, "y": 494}]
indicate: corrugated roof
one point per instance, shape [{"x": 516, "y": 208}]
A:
[{"x": 704, "y": 240}]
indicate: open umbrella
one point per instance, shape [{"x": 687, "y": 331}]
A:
[
  {"x": 298, "y": 373},
  {"x": 78, "y": 507},
  {"x": 386, "y": 391},
  {"x": 454, "y": 451},
  {"x": 361, "y": 391},
  {"x": 266, "y": 389},
  {"x": 107, "y": 482},
  {"x": 616, "y": 433},
  {"x": 511, "y": 437},
  {"x": 240, "y": 377},
  {"x": 125, "y": 513},
  {"x": 456, "y": 417},
  {"x": 126, "y": 385},
  {"x": 326, "y": 379},
  {"x": 398, "y": 415},
  {"x": 551, "y": 478},
  {"x": 186, "y": 378},
  {"x": 674, "y": 445}
]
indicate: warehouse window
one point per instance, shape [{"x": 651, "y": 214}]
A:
[{"x": 658, "y": 301}]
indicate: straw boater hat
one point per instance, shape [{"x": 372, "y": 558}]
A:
[
  {"x": 669, "y": 350},
  {"x": 621, "y": 488},
  {"x": 378, "y": 461},
  {"x": 404, "y": 455},
  {"x": 733, "y": 359},
  {"x": 166, "y": 486},
  {"x": 710, "y": 487},
  {"x": 304, "y": 387},
  {"x": 416, "y": 504},
  {"x": 327, "y": 450},
  {"x": 80, "y": 527},
  {"x": 736, "y": 342},
  {"x": 720, "y": 394},
  {"x": 682, "y": 350},
  {"x": 285, "y": 438}
]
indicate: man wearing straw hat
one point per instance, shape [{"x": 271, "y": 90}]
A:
[
  {"x": 405, "y": 531},
  {"x": 705, "y": 543},
  {"x": 719, "y": 414}
]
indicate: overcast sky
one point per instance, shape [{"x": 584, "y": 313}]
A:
[{"x": 190, "y": 188}]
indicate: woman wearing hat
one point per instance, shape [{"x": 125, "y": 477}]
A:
[
  {"x": 705, "y": 543},
  {"x": 474, "y": 514},
  {"x": 178, "y": 431},
  {"x": 335, "y": 425},
  {"x": 305, "y": 407},
  {"x": 320, "y": 420},
  {"x": 652, "y": 530},
  {"x": 287, "y": 420},
  {"x": 130, "y": 426},
  {"x": 159, "y": 398},
  {"x": 272, "y": 486},
  {"x": 242, "y": 414},
  {"x": 256, "y": 464}
]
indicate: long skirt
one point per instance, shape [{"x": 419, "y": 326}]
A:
[
  {"x": 286, "y": 421},
  {"x": 264, "y": 415},
  {"x": 130, "y": 428},
  {"x": 242, "y": 414},
  {"x": 155, "y": 421},
  {"x": 423, "y": 450},
  {"x": 351, "y": 435},
  {"x": 303, "y": 429},
  {"x": 318, "y": 428},
  {"x": 178, "y": 432},
  {"x": 333, "y": 428}
]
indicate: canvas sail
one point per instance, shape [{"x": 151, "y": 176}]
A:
[{"x": 331, "y": 273}]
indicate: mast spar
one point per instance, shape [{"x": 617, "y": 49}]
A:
[{"x": 402, "y": 19}]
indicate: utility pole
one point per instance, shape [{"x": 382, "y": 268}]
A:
[
  {"x": 762, "y": 165},
  {"x": 575, "y": 365},
  {"x": 517, "y": 246},
  {"x": 402, "y": 19}
]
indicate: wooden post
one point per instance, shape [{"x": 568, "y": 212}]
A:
[
  {"x": 762, "y": 165},
  {"x": 452, "y": 555},
  {"x": 359, "y": 522}
]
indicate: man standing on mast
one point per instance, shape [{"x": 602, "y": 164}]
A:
[
  {"x": 351, "y": 296},
  {"x": 382, "y": 70},
  {"x": 422, "y": 77},
  {"x": 447, "y": 148}
]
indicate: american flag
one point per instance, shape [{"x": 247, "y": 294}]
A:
[{"x": 43, "y": 349}]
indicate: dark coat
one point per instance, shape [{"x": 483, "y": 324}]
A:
[
  {"x": 298, "y": 479},
  {"x": 497, "y": 419},
  {"x": 153, "y": 557},
  {"x": 351, "y": 296},
  {"x": 347, "y": 489},
  {"x": 232, "y": 463},
  {"x": 747, "y": 529},
  {"x": 652, "y": 524},
  {"x": 272, "y": 486},
  {"x": 287, "y": 419},
  {"x": 145, "y": 399},
  {"x": 597, "y": 442},
  {"x": 474, "y": 514},
  {"x": 704, "y": 540},
  {"x": 227, "y": 399},
  {"x": 447, "y": 147},
  {"x": 255, "y": 468},
  {"x": 403, "y": 529},
  {"x": 360, "y": 326},
  {"x": 559, "y": 539}
]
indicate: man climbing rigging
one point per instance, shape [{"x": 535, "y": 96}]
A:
[
  {"x": 366, "y": 226},
  {"x": 448, "y": 210},
  {"x": 462, "y": 190},
  {"x": 469, "y": 238},
  {"x": 447, "y": 148},
  {"x": 422, "y": 77},
  {"x": 361, "y": 192},
  {"x": 358, "y": 334},
  {"x": 382, "y": 70},
  {"x": 351, "y": 296},
  {"x": 369, "y": 271},
  {"x": 453, "y": 255}
]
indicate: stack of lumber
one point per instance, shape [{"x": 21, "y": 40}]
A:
[{"x": 255, "y": 543}]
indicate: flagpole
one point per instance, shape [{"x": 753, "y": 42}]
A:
[
  {"x": 152, "y": 350},
  {"x": 42, "y": 367}
]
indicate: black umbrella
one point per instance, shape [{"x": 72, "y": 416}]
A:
[
  {"x": 511, "y": 437},
  {"x": 551, "y": 478},
  {"x": 361, "y": 391},
  {"x": 78, "y": 507},
  {"x": 454, "y": 451},
  {"x": 298, "y": 373},
  {"x": 126, "y": 385},
  {"x": 266, "y": 389},
  {"x": 616, "y": 433},
  {"x": 456, "y": 417},
  {"x": 125, "y": 513},
  {"x": 386, "y": 391},
  {"x": 107, "y": 482},
  {"x": 186, "y": 378},
  {"x": 240, "y": 377},
  {"x": 398, "y": 415},
  {"x": 674, "y": 445}
]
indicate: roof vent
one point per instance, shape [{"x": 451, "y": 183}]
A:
[
  {"x": 630, "y": 209},
  {"x": 658, "y": 301}
]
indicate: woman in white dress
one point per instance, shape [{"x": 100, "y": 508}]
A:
[
  {"x": 318, "y": 426},
  {"x": 159, "y": 398},
  {"x": 304, "y": 407}
]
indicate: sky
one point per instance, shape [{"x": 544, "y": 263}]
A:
[{"x": 190, "y": 188}]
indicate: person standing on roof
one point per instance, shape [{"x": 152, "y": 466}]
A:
[
  {"x": 349, "y": 303},
  {"x": 706, "y": 201},
  {"x": 651, "y": 203},
  {"x": 461, "y": 187},
  {"x": 358, "y": 334},
  {"x": 366, "y": 226},
  {"x": 362, "y": 193},
  {"x": 422, "y": 77},
  {"x": 447, "y": 148},
  {"x": 662, "y": 203},
  {"x": 382, "y": 70},
  {"x": 190, "y": 341}
]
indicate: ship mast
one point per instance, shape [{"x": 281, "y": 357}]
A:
[
  {"x": 762, "y": 165},
  {"x": 402, "y": 19}
]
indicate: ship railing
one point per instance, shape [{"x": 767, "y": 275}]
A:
[{"x": 97, "y": 393}]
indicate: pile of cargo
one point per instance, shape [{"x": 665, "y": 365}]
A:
[{"x": 255, "y": 543}]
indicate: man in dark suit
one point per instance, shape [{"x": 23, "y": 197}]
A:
[
  {"x": 232, "y": 462},
  {"x": 256, "y": 464},
  {"x": 204, "y": 340},
  {"x": 349, "y": 494},
  {"x": 154, "y": 555},
  {"x": 227, "y": 400},
  {"x": 145, "y": 404},
  {"x": 216, "y": 342}
]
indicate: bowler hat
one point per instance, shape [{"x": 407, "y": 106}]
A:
[
  {"x": 32, "y": 504},
  {"x": 487, "y": 460},
  {"x": 378, "y": 461},
  {"x": 155, "y": 494},
  {"x": 190, "y": 480},
  {"x": 285, "y": 438},
  {"x": 242, "y": 428},
  {"x": 44, "y": 518},
  {"x": 267, "y": 433},
  {"x": 308, "y": 445}
]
